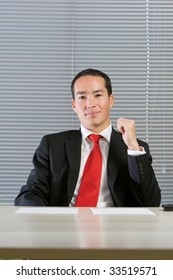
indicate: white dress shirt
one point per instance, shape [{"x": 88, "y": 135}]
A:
[{"x": 104, "y": 199}]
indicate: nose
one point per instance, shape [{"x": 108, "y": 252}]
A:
[{"x": 90, "y": 102}]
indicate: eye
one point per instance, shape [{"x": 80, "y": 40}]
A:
[
  {"x": 98, "y": 95},
  {"x": 81, "y": 97}
]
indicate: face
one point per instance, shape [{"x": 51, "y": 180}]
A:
[{"x": 92, "y": 103}]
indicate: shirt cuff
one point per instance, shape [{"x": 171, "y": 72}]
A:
[{"x": 136, "y": 153}]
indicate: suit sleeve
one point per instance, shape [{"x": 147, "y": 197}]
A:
[
  {"x": 36, "y": 190},
  {"x": 143, "y": 183}
]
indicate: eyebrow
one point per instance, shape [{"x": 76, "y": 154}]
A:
[
  {"x": 84, "y": 92},
  {"x": 80, "y": 92}
]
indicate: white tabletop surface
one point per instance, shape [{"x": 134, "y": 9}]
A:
[{"x": 83, "y": 234}]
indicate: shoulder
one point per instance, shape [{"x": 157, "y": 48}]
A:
[
  {"x": 61, "y": 136},
  {"x": 56, "y": 141}
]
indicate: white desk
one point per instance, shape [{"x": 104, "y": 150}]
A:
[{"x": 85, "y": 236}]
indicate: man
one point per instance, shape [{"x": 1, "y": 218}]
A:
[{"x": 127, "y": 178}]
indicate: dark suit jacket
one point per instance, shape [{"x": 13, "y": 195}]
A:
[{"x": 52, "y": 182}]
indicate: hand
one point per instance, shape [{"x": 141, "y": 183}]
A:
[{"x": 128, "y": 131}]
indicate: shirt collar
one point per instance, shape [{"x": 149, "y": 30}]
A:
[{"x": 106, "y": 133}]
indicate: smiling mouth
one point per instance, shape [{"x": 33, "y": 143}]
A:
[{"x": 92, "y": 114}]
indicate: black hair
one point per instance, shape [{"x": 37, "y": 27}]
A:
[{"x": 92, "y": 72}]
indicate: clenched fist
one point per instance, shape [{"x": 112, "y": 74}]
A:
[{"x": 128, "y": 131}]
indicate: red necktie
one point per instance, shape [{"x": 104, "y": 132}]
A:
[{"x": 90, "y": 182}]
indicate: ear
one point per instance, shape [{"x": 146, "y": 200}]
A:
[
  {"x": 111, "y": 100},
  {"x": 73, "y": 105}
]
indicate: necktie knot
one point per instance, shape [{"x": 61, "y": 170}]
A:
[{"x": 94, "y": 137}]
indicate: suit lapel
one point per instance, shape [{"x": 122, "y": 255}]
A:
[
  {"x": 117, "y": 153},
  {"x": 73, "y": 148}
]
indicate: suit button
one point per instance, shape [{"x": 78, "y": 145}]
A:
[{"x": 141, "y": 171}]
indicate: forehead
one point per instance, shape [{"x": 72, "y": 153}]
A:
[{"x": 85, "y": 83}]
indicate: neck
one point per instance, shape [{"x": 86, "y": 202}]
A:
[{"x": 97, "y": 130}]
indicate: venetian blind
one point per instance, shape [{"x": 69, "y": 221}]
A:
[
  {"x": 35, "y": 74},
  {"x": 159, "y": 92},
  {"x": 43, "y": 44}
]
